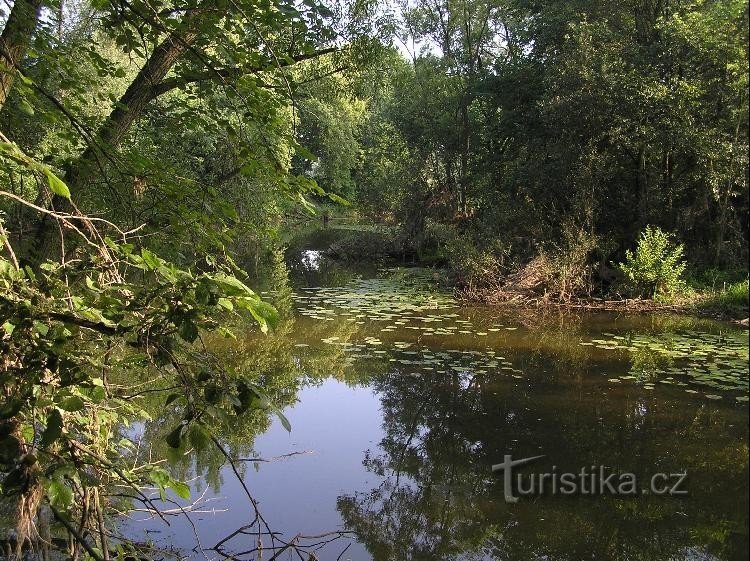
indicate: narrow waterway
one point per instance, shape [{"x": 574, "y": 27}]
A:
[{"x": 401, "y": 400}]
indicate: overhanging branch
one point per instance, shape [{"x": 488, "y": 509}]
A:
[{"x": 234, "y": 73}]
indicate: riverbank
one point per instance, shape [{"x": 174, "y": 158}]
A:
[
  {"x": 539, "y": 283},
  {"x": 727, "y": 303},
  {"x": 704, "y": 305}
]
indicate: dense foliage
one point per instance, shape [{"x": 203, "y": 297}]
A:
[
  {"x": 146, "y": 150},
  {"x": 152, "y": 152},
  {"x": 519, "y": 126}
]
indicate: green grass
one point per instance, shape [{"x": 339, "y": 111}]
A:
[{"x": 730, "y": 300}]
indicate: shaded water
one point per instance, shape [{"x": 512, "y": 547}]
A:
[{"x": 401, "y": 401}]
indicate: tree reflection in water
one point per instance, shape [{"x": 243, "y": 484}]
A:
[
  {"x": 437, "y": 497},
  {"x": 434, "y": 496}
]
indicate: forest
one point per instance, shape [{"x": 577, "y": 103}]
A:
[{"x": 158, "y": 159}]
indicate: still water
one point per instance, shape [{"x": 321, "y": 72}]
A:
[{"x": 400, "y": 402}]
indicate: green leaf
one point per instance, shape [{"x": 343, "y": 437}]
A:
[
  {"x": 57, "y": 185},
  {"x": 337, "y": 199},
  {"x": 150, "y": 259},
  {"x": 263, "y": 313},
  {"x": 97, "y": 394},
  {"x": 228, "y": 333},
  {"x": 232, "y": 286},
  {"x": 25, "y": 107},
  {"x": 181, "y": 489},
  {"x": 161, "y": 479},
  {"x": 53, "y": 430},
  {"x": 174, "y": 438},
  {"x": 164, "y": 481},
  {"x": 59, "y": 494},
  {"x": 188, "y": 331},
  {"x": 27, "y": 432},
  {"x": 225, "y": 303},
  {"x": 72, "y": 403},
  {"x": 284, "y": 421},
  {"x": 199, "y": 437}
]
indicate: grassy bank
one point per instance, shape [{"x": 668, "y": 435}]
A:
[
  {"x": 728, "y": 301},
  {"x": 713, "y": 293},
  {"x": 569, "y": 278}
]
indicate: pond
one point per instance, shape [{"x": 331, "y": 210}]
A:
[{"x": 401, "y": 400}]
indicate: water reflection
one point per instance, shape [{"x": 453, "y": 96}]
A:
[
  {"x": 310, "y": 259},
  {"x": 437, "y": 499},
  {"x": 395, "y": 430}
]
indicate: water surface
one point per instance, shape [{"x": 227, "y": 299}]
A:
[{"x": 400, "y": 401}]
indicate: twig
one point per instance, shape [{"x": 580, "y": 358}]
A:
[
  {"x": 6, "y": 241},
  {"x": 275, "y": 458},
  {"x": 82, "y": 541},
  {"x": 66, "y": 216}
]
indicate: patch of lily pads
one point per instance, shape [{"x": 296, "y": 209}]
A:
[
  {"x": 714, "y": 365},
  {"x": 400, "y": 299},
  {"x": 425, "y": 359},
  {"x": 410, "y": 305},
  {"x": 407, "y": 304}
]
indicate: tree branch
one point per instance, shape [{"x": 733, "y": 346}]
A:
[{"x": 234, "y": 73}]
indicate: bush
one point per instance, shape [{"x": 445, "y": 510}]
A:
[
  {"x": 570, "y": 270},
  {"x": 474, "y": 265},
  {"x": 362, "y": 245},
  {"x": 656, "y": 267}
]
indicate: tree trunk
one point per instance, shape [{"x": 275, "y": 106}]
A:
[
  {"x": 724, "y": 197},
  {"x": 465, "y": 148},
  {"x": 132, "y": 104},
  {"x": 450, "y": 180},
  {"x": 130, "y": 107},
  {"x": 643, "y": 190},
  {"x": 666, "y": 198},
  {"x": 14, "y": 42}
]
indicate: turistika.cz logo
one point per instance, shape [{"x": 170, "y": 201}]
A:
[{"x": 590, "y": 480}]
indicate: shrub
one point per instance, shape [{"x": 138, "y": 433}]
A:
[
  {"x": 473, "y": 265},
  {"x": 570, "y": 269},
  {"x": 362, "y": 245},
  {"x": 656, "y": 267}
]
